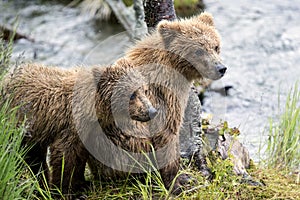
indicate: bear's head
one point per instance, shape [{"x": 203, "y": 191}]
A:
[
  {"x": 195, "y": 41},
  {"x": 124, "y": 89},
  {"x": 140, "y": 107}
]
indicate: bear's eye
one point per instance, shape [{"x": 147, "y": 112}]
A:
[
  {"x": 217, "y": 48},
  {"x": 199, "y": 52},
  {"x": 132, "y": 97}
]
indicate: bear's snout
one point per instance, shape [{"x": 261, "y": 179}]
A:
[
  {"x": 221, "y": 69},
  {"x": 152, "y": 112}
]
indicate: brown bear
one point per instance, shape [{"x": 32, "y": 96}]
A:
[
  {"x": 170, "y": 58},
  {"x": 48, "y": 99}
]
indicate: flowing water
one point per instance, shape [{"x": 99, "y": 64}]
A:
[{"x": 260, "y": 46}]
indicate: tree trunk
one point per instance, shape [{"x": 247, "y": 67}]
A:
[
  {"x": 140, "y": 26},
  {"x": 157, "y": 10}
]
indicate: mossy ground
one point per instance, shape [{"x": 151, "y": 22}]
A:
[{"x": 277, "y": 185}]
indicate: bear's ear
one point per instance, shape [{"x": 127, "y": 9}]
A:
[
  {"x": 207, "y": 18},
  {"x": 168, "y": 31}
]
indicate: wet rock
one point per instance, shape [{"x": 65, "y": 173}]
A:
[
  {"x": 239, "y": 154},
  {"x": 228, "y": 147}
]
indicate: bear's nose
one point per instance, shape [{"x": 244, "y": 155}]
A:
[
  {"x": 152, "y": 112},
  {"x": 221, "y": 69}
]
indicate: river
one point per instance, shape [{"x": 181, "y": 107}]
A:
[{"x": 260, "y": 46}]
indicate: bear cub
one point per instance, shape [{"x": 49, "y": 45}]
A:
[{"x": 49, "y": 98}]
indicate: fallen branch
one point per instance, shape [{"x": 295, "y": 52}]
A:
[
  {"x": 125, "y": 15},
  {"x": 8, "y": 32}
]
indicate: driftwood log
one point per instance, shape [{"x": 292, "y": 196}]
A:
[
  {"x": 132, "y": 18},
  {"x": 8, "y": 33},
  {"x": 125, "y": 15}
]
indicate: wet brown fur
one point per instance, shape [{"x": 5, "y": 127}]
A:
[{"x": 56, "y": 101}]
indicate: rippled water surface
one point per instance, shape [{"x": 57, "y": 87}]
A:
[{"x": 261, "y": 47}]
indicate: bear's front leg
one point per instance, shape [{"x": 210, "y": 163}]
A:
[
  {"x": 170, "y": 170},
  {"x": 68, "y": 159},
  {"x": 169, "y": 173}
]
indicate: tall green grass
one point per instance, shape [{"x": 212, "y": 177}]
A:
[
  {"x": 12, "y": 184},
  {"x": 5, "y": 54},
  {"x": 284, "y": 137},
  {"x": 11, "y": 161}
]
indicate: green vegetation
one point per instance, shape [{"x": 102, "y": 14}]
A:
[
  {"x": 225, "y": 185},
  {"x": 5, "y": 54},
  {"x": 12, "y": 185},
  {"x": 11, "y": 162},
  {"x": 178, "y": 3},
  {"x": 284, "y": 137}
]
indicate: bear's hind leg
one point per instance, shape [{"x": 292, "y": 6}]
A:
[
  {"x": 68, "y": 160},
  {"x": 35, "y": 157}
]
